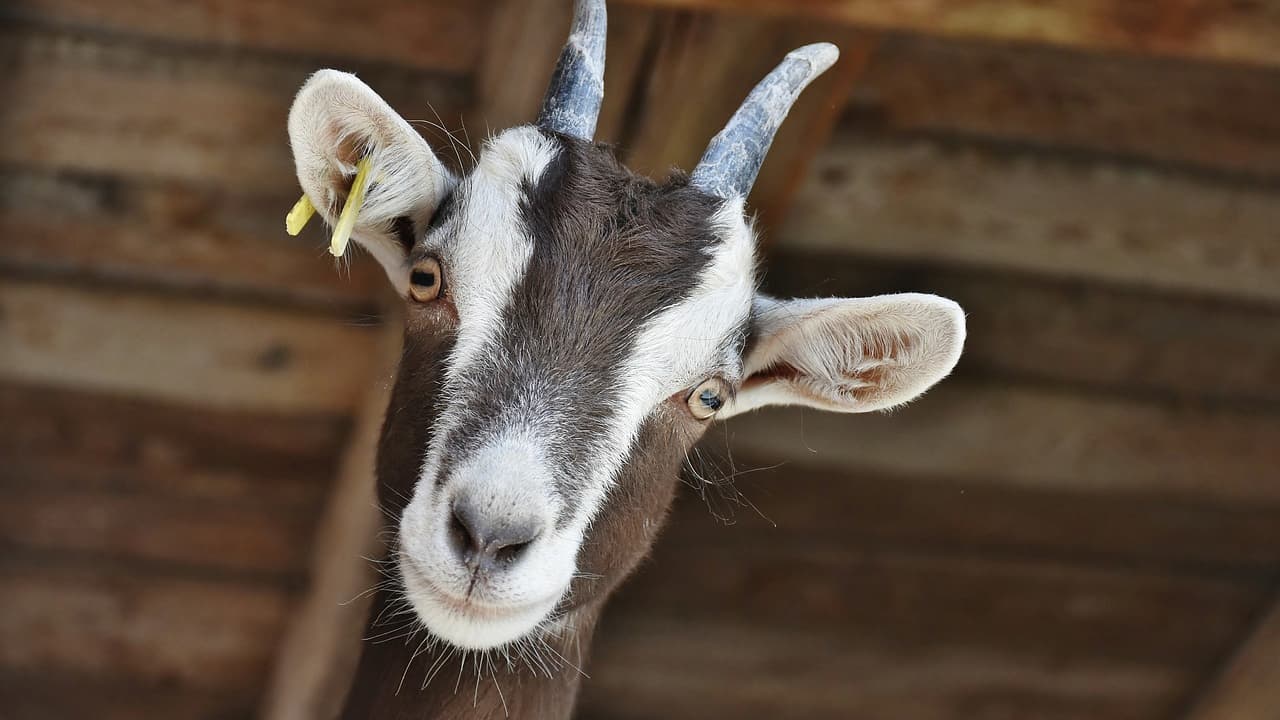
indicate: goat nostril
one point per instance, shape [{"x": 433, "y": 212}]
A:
[
  {"x": 464, "y": 541},
  {"x": 508, "y": 554}
]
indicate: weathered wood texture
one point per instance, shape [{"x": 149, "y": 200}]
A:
[
  {"x": 1158, "y": 111},
  {"x": 1039, "y": 437},
  {"x": 984, "y": 206},
  {"x": 84, "y": 102},
  {"x": 1247, "y": 32},
  {"x": 827, "y": 627},
  {"x": 172, "y": 235},
  {"x": 440, "y": 34},
  {"x": 211, "y": 354},
  {"x": 150, "y": 554}
]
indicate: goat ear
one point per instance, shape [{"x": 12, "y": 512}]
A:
[
  {"x": 848, "y": 355},
  {"x": 337, "y": 120}
]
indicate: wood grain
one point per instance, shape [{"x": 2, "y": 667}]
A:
[
  {"x": 41, "y": 696},
  {"x": 60, "y": 439},
  {"x": 1035, "y": 437},
  {"x": 183, "y": 350},
  {"x": 440, "y": 34},
  {"x": 1159, "y": 346},
  {"x": 57, "y": 617},
  {"x": 255, "y": 541},
  {"x": 827, "y": 630},
  {"x": 158, "y": 111},
  {"x": 173, "y": 235},
  {"x": 1232, "y": 32},
  {"x": 1176, "y": 113},
  {"x": 754, "y": 500},
  {"x": 977, "y": 206}
]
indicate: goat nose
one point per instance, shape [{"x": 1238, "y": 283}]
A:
[{"x": 490, "y": 541}]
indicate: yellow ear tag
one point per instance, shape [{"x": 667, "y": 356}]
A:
[
  {"x": 347, "y": 218},
  {"x": 299, "y": 216}
]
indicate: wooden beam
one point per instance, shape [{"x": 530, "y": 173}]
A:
[
  {"x": 40, "y": 696},
  {"x": 1082, "y": 334},
  {"x": 440, "y": 34},
  {"x": 173, "y": 235},
  {"x": 754, "y": 499},
  {"x": 111, "y": 106},
  {"x": 319, "y": 653},
  {"x": 996, "y": 207},
  {"x": 702, "y": 68},
  {"x": 77, "y": 619},
  {"x": 1232, "y": 32},
  {"x": 839, "y": 629},
  {"x": 1224, "y": 119},
  {"x": 1248, "y": 687},
  {"x": 59, "y": 439},
  {"x": 183, "y": 350},
  {"x": 997, "y": 431}
]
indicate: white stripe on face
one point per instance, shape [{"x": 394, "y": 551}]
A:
[
  {"x": 488, "y": 250},
  {"x": 677, "y": 349}
]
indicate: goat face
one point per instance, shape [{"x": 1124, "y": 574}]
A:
[{"x": 571, "y": 331}]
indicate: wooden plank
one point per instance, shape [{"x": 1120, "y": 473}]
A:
[
  {"x": 183, "y": 350},
  {"x": 704, "y": 66},
  {"x": 750, "y": 501},
  {"x": 1171, "y": 112},
  {"x": 239, "y": 539},
  {"x": 184, "y": 633},
  {"x": 91, "y": 104},
  {"x": 39, "y": 696},
  {"x": 1248, "y": 688},
  {"x": 65, "y": 440},
  {"x": 662, "y": 667},
  {"x": 832, "y": 629},
  {"x": 1088, "y": 335},
  {"x": 1232, "y": 32},
  {"x": 905, "y": 600},
  {"x": 172, "y": 235},
  {"x": 1054, "y": 216},
  {"x": 1035, "y": 437},
  {"x": 321, "y": 648},
  {"x": 440, "y": 34}
]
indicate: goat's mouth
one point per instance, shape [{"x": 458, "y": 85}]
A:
[{"x": 469, "y": 621}]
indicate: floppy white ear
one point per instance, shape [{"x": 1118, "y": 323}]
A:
[
  {"x": 334, "y": 122},
  {"x": 848, "y": 355}
]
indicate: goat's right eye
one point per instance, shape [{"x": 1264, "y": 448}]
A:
[{"x": 425, "y": 280}]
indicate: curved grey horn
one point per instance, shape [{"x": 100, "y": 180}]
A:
[
  {"x": 729, "y": 166},
  {"x": 573, "y": 98}
]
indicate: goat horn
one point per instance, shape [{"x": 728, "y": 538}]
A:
[
  {"x": 729, "y": 166},
  {"x": 573, "y": 99}
]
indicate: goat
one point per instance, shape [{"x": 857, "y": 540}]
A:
[{"x": 571, "y": 330}]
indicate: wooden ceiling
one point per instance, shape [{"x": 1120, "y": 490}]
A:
[{"x": 1083, "y": 523}]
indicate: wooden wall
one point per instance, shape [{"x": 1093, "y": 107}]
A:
[{"x": 1083, "y": 523}]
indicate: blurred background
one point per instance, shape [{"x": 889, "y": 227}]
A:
[{"x": 1082, "y": 524}]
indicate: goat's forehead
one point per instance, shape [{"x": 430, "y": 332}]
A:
[{"x": 541, "y": 214}]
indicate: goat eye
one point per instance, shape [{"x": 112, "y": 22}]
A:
[
  {"x": 425, "y": 280},
  {"x": 707, "y": 399}
]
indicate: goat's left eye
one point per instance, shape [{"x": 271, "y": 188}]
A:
[
  {"x": 707, "y": 399},
  {"x": 425, "y": 280}
]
